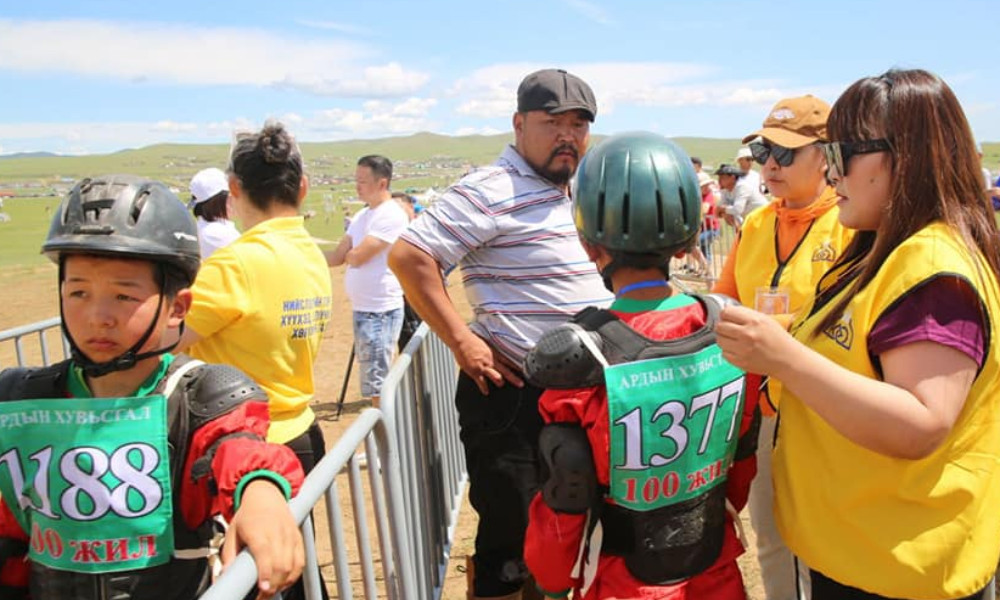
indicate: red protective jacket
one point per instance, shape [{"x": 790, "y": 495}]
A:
[
  {"x": 552, "y": 540},
  {"x": 234, "y": 458}
]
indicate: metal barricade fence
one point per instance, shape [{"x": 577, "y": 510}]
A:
[
  {"x": 387, "y": 501},
  {"x": 418, "y": 399},
  {"x": 24, "y": 356},
  {"x": 416, "y": 499}
]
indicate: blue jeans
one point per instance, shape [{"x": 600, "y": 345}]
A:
[{"x": 375, "y": 335}]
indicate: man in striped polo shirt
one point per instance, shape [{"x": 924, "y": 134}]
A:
[{"x": 510, "y": 229}]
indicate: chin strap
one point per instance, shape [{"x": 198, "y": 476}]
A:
[{"x": 127, "y": 359}]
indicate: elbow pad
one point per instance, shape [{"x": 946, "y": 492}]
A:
[{"x": 570, "y": 477}]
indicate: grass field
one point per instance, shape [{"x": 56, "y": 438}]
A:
[{"x": 422, "y": 160}]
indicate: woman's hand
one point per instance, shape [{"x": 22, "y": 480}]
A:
[{"x": 753, "y": 341}]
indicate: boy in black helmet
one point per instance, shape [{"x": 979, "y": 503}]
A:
[
  {"x": 649, "y": 439},
  {"x": 113, "y": 463}
]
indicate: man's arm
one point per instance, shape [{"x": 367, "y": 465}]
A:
[
  {"x": 335, "y": 257},
  {"x": 365, "y": 251},
  {"x": 420, "y": 277}
]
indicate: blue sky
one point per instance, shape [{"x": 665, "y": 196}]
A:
[{"x": 82, "y": 77}]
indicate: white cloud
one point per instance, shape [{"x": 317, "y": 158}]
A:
[
  {"x": 478, "y": 131},
  {"x": 376, "y": 118},
  {"x": 174, "y": 127},
  {"x": 591, "y": 11},
  {"x": 390, "y": 80},
  {"x": 196, "y": 55},
  {"x": 490, "y": 92},
  {"x": 411, "y": 107}
]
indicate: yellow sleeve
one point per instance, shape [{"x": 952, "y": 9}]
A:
[{"x": 221, "y": 293}]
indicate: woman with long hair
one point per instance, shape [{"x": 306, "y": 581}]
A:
[{"x": 886, "y": 459}]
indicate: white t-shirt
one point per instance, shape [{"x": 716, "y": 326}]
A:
[
  {"x": 372, "y": 287},
  {"x": 213, "y": 235},
  {"x": 752, "y": 179}
]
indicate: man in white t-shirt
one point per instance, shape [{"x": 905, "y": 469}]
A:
[
  {"x": 210, "y": 204},
  {"x": 374, "y": 292}
]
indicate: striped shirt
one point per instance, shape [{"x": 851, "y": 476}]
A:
[{"x": 511, "y": 233}]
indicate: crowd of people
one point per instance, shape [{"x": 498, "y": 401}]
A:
[{"x": 838, "y": 379}]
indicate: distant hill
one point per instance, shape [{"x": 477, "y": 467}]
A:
[
  {"x": 174, "y": 164},
  {"x": 27, "y": 155}
]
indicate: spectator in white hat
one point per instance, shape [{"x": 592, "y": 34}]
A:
[
  {"x": 744, "y": 158},
  {"x": 209, "y": 201}
]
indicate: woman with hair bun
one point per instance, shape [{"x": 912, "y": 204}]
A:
[
  {"x": 262, "y": 302},
  {"x": 887, "y": 457}
]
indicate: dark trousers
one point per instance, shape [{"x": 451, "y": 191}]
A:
[
  {"x": 824, "y": 588},
  {"x": 310, "y": 449},
  {"x": 500, "y": 435}
]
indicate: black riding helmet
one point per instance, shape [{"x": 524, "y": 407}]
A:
[
  {"x": 637, "y": 196},
  {"x": 123, "y": 216}
]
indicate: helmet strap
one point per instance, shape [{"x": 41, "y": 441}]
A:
[{"x": 127, "y": 359}]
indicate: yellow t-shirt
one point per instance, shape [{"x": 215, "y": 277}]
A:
[{"x": 261, "y": 304}]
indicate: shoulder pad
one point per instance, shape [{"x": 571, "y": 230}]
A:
[
  {"x": 219, "y": 389},
  {"x": 23, "y": 383},
  {"x": 562, "y": 359}
]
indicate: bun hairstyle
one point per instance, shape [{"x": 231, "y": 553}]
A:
[{"x": 268, "y": 165}]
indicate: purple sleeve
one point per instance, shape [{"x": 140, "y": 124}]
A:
[{"x": 945, "y": 311}]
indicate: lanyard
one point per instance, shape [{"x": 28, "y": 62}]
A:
[{"x": 640, "y": 285}]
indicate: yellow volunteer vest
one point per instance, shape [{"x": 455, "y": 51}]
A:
[
  {"x": 920, "y": 529},
  {"x": 757, "y": 264}
]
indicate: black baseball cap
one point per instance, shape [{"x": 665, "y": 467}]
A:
[
  {"x": 555, "y": 91},
  {"x": 729, "y": 170}
]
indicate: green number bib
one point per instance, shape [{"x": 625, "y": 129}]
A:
[
  {"x": 674, "y": 426},
  {"x": 89, "y": 479}
]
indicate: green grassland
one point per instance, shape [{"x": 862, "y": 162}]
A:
[{"x": 421, "y": 161}]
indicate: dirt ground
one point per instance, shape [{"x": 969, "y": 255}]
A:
[{"x": 27, "y": 296}]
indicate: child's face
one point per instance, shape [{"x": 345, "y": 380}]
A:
[{"x": 108, "y": 304}]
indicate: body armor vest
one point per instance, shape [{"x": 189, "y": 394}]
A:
[
  {"x": 667, "y": 543},
  {"x": 202, "y": 393}
]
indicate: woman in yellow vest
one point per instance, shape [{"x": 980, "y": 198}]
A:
[
  {"x": 782, "y": 251},
  {"x": 886, "y": 461}
]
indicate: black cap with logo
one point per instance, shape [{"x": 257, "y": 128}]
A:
[{"x": 555, "y": 91}]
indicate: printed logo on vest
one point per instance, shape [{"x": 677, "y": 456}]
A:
[
  {"x": 825, "y": 253},
  {"x": 842, "y": 331}
]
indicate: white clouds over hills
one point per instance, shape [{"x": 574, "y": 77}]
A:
[{"x": 200, "y": 55}]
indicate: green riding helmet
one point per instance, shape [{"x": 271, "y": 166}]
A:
[
  {"x": 127, "y": 217},
  {"x": 638, "y": 193}
]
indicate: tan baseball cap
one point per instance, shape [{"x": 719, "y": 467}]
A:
[{"x": 795, "y": 122}]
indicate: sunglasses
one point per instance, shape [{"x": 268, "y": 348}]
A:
[
  {"x": 761, "y": 151},
  {"x": 838, "y": 155}
]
